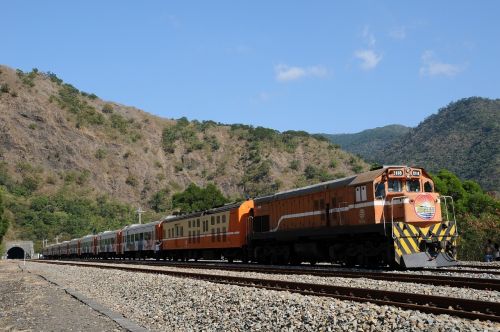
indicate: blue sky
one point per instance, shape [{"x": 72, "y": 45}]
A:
[{"x": 319, "y": 66}]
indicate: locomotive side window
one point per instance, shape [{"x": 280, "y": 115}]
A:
[
  {"x": 395, "y": 186},
  {"x": 360, "y": 193},
  {"x": 380, "y": 190},
  {"x": 413, "y": 185},
  {"x": 428, "y": 187}
]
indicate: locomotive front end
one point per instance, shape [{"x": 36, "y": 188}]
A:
[{"x": 423, "y": 224}]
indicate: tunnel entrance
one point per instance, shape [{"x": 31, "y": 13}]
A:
[{"x": 15, "y": 253}]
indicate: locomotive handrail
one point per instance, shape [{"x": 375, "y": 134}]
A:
[
  {"x": 392, "y": 213},
  {"x": 453, "y": 211},
  {"x": 340, "y": 211}
]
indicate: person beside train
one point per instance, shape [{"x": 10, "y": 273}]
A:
[
  {"x": 496, "y": 253},
  {"x": 489, "y": 250}
]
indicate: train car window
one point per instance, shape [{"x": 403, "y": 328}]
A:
[
  {"x": 189, "y": 223},
  {"x": 218, "y": 219},
  {"x": 141, "y": 237},
  {"x": 428, "y": 187},
  {"x": 413, "y": 185},
  {"x": 394, "y": 186},
  {"x": 212, "y": 220},
  {"x": 197, "y": 222},
  {"x": 182, "y": 230},
  {"x": 224, "y": 218},
  {"x": 380, "y": 190}
]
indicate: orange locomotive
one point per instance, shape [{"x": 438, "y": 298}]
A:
[{"x": 387, "y": 216}]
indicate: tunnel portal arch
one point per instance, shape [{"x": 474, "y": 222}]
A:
[
  {"x": 17, "y": 249},
  {"x": 15, "y": 253}
]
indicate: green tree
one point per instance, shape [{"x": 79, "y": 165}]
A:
[
  {"x": 160, "y": 201},
  {"x": 195, "y": 198}
]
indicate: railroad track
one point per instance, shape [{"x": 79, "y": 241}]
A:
[
  {"x": 461, "y": 282},
  {"x": 465, "y": 308}
]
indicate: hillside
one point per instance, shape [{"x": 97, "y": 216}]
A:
[
  {"x": 462, "y": 137},
  {"x": 367, "y": 141},
  {"x": 53, "y": 135}
]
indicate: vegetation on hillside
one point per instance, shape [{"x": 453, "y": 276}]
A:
[
  {"x": 368, "y": 142},
  {"x": 477, "y": 214},
  {"x": 4, "y": 224},
  {"x": 195, "y": 198},
  {"x": 462, "y": 137}
]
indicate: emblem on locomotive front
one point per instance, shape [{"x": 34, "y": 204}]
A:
[{"x": 425, "y": 207}]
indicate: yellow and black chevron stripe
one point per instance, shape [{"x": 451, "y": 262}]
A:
[{"x": 407, "y": 236}]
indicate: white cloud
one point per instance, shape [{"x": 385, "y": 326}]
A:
[
  {"x": 433, "y": 67},
  {"x": 285, "y": 73},
  {"x": 398, "y": 33},
  {"x": 369, "y": 58},
  {"x": 368, "y": 36}
]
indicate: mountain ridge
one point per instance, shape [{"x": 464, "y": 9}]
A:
[{"x": 462, "y": 137}]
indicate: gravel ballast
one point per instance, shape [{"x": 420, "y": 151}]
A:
[{"x": 161, "y": 302}]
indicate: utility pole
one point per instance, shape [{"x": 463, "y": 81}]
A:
[
  {"x": 57, "y": 239},
  {"x": 140, "y": 212}
]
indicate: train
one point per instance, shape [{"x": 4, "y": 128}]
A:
[{"x": 391, "y": 216}]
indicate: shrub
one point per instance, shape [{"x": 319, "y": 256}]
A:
[
  {"x": 131, "y": 181},
  {"x": 27, "y": 78},
  {"x": 100, "y": 154},
  {"x": 310, "y": 172},
  {"x": 53, "y": 77},
  {"x": 4, "y": 88},
  {"x": 333, "y": 163},
  {"x": 294, "y": 164},
  {"x": 32, "y": 126},
  {"x": 119, "y": 122},
  {"x": 107, "y": 108}
]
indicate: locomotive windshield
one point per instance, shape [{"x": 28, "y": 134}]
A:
[
  {"x": 413, "y": 185},
  {"x": 395, "y": 186}
]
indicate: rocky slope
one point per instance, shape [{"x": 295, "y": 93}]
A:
[{"x": 52, "y": 135}]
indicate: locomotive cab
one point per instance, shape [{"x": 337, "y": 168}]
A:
[{"x": 421, "y": 227}]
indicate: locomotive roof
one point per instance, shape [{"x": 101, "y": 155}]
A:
[{"x": 332, "y": 184}]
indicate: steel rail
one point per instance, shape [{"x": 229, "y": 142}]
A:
[
  {"x": 465, "y": 308},
  {"x": 437, "y": 280}
]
